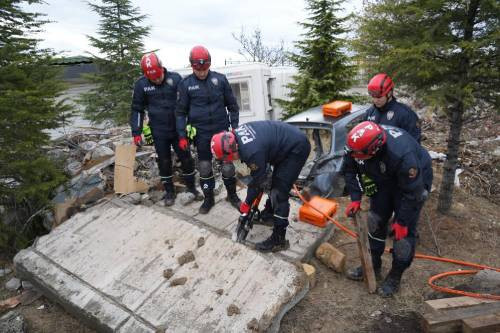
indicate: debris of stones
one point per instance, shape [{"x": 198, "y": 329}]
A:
[
  {"x": 233, "y": 310},
  {"x": 185, "y": 258},
  {"x": 219, "y": 292},
  {"x": 311, "y": 274},
  {"x": 168, "y": 273},
  {"x": 331, "y": 257},
  {"x": 178, "y": 282},
  {"x": 201, "y": 241},
  {"x": 253, "y": 325}
]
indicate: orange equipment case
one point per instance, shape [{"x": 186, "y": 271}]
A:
[
  {"x": 310, "y": 215},
  {"x": 336, "y": 108}
]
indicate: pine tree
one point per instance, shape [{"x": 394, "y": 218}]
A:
[
  {"x": 29, "y": 88},
  {"x": 121, "y": 47},
  {"x": 444, "y": 50},
  {"x": 324, "y": 69}
]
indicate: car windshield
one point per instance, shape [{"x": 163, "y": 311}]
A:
[{"x": 321, "y": 144}]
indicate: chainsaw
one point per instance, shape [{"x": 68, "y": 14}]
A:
[{"x": 246, "y": 221}]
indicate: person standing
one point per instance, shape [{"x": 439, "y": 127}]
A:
[
  {"x": 206, "y": 102},
  {"x": 156, "y": 92},
  {"x": 401, "y": 171},
  {"x": 386, "y": 110}
]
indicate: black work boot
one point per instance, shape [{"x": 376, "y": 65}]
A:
[
  {"x": 208, "y": 202},
  {"x": 390, "y": 286},
  {"x": 356, "y": 274},
  {"x": 276, "y": 242},
  {"x": 232, "y": 197},
  {"x": 169, "y": 194}
]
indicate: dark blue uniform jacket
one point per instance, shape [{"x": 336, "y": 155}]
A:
[
  {"x": 160, "y": 101},
  {"x": 396, "y": 114},
  {"x": 266, "y": 142},
  {"x": 401, "y": 164},
  {"x": 202, "y": 103}
]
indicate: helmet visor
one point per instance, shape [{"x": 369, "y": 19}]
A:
[
  {"x": 359, "y": 155},
  {"x": 200, "y": 64}
]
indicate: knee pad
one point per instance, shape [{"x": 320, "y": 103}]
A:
[
  {"x": 205, "y": 168},
  {"x": 403, "y": 251},
  {"x": 279, "y": 201},
  {"x": 228, "y": 170}
]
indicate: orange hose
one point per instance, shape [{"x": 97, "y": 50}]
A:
[{"x": 436, "y": 277}]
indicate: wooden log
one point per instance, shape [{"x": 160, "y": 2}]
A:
[
  {"x": 311, "y": 274},
  {"x": 331, "y": 257},
  {"x": 482, "y": 324},
  {"x": 365, "y": 253},
  {"x": 451, "y": 320}
]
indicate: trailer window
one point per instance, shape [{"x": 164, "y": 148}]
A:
[{"x": 242, "y": 95}]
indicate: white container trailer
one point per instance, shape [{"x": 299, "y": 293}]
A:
[{"x": 255, "y": 86}]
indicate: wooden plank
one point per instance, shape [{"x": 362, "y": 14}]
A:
[
  {"x": 482, "y": 324},
  {"x": 451, "y": 320},
  {"x": 452, "y": 303},
  {"x": 365, "y": 254}
]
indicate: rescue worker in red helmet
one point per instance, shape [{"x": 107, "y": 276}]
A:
[
  {"x": 402, "y": 172},
  {"x": 203, "y": 99},
  {"x": 387, "y": 110},
  {"x": 259, "y": 144},
  {"x": 156, "y": 92}
]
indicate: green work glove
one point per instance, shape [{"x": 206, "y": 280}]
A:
[
  {"x": 369, "y": 186},
  {"x": 190, "y": 131},
  {"x": 148, "y": 136}
]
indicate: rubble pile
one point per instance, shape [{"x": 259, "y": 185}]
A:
[{"x": 478, "y": 170}]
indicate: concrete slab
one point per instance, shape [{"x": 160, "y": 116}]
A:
[
  {"x": 304, "y": 238},
  {"x": 106, "y": 266}
]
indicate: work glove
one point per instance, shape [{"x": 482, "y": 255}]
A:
[
  {"x": 400, "y": 231},
  {"x": 244, "y": 208},
  {"x": 138, "y": 140},
  {"x": 369, "y": 186},
  {"x": 352, "y": 208},
  {"x": 183, "y": 143},
  {"x": 148, "y": 136}
]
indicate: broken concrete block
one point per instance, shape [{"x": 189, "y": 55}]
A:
[
  {"x": 12, "y": 322},
  {"x": 331, "y": 257},
  {"x": 311, "y": 274},
  {"x": 13, "y": 284}
]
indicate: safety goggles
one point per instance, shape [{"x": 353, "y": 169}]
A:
[
  {"x": 359, "y": 155},
  {"x": 200, "y": 64}
]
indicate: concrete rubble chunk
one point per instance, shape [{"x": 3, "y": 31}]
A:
[
  {"x": 107, "y": 267},
  {"x": 13, "y": 284},
  {"x": 5, "y": 271}
]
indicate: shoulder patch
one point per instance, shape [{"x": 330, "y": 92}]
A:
[{"x": 412, "y": 173}]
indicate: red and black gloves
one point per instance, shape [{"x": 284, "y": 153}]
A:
[
  {"x": 138, "y": 140},
  {"x": 400, "y": 231},
  {"x": 244, "y": 208},
  {"x": 183, "y": 143},
  {"x": 352, "y": 208}
]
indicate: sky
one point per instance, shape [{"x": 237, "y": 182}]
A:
[{"x": 176, "y": 26}]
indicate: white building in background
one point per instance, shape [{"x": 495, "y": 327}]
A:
[{"x": 256, "y": 86}]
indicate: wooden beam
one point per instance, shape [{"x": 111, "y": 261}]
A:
[
  {"x": 365, "y": 253},
  {"x": 452, "y": 303},
  {"x": 451, "y": 320},
  {"x": 482, "y": 324}
]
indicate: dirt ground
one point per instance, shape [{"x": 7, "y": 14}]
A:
[{"x": 469, "y": 232}]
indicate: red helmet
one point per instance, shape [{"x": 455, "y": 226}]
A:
[
  {"x": 199, "y": 57},
  {"x": 380, "y": 85},
  {"x": 151, "y": 66},
  {"x": 365, "y": 139},
  {"x": 224, "y": 145}
]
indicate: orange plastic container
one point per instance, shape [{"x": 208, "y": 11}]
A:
[
  {"x": 309, "y": 215},
  {"x": 336, "y": 108}
]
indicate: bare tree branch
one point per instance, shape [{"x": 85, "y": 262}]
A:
[{"x": 253, "y": 49}]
